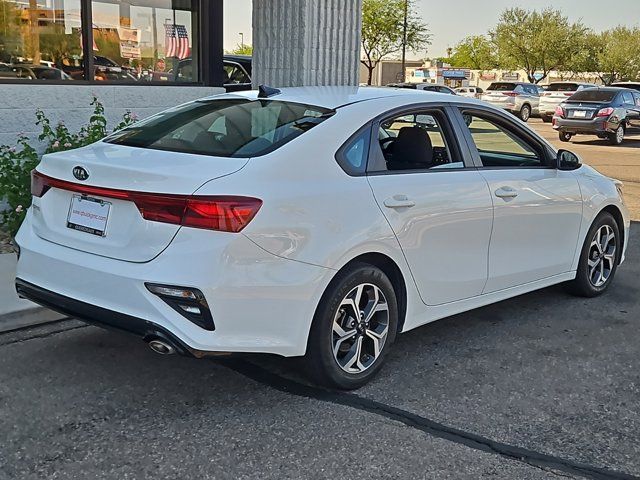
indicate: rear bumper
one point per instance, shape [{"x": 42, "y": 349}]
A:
[
  {"x": 260, "y": 303},
  {"x": 596, "y": 126},
  {"x": 101, "y": 317}
]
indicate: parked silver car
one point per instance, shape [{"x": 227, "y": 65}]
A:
[
  {"x": 521, "y": 99},
  {"x": 555, "y": 94}
]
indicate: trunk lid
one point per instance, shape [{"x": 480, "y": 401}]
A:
[{"x": 127, "y": 235}]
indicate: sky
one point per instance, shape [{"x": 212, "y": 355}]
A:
[{"x": 450, "y": 21}]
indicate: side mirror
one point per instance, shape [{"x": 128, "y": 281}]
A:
[{"x": 567, "y": 160}]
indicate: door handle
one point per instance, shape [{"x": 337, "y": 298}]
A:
[
  {"x": 399, "y": 201},
  {"x": 506, "y": 192}
]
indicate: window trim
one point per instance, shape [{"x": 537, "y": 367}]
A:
[
  {"x": 548, "y": 154},
  {"x": 210, "y": 48},
  {"x": 451, "y": 136}
]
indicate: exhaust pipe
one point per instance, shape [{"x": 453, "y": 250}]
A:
[{"x": 161, "y": 347}]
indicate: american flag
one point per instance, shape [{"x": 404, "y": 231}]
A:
[{"x": 176, "y": 41}]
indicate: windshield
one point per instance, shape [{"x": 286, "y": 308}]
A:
[
  {"x": 224, "y": 128},
  {"x": 562, "y": 87},
  {"x": 594, "y": 95},
  {"x": 502, "y": 87}
]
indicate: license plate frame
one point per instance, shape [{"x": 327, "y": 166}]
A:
[
  {"x": 579, "y": 114},
  {"x": 92, "y": 219}
]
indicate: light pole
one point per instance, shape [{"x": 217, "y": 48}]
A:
[
  {"x": 404, "y": 41},
  {"x": 242, "y": 41}
]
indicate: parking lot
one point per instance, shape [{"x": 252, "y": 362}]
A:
[
  {"x": 621, "y": 162},
  {"x": 542, "y": 386}
]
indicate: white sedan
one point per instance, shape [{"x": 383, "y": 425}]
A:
[{"x": 316, "y": 222}]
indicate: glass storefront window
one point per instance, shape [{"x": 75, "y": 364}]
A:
[
  {"x": 144, "y": 40},
  {"x": 40, "y": 40}
]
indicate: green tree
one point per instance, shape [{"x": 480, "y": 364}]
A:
[
  {"x": 383, "y": 30},
  {"x": 617, "y": 54},
  {"x": 475, "y": 52},
  {"x": 10, "y": 37},
  {"x": 242, "y": 50},
  {"x": 537, "y": 41}
]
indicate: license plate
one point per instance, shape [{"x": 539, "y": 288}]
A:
[
  {"x": 89, "y": 215},
  {"x": 580, "y": 114}
]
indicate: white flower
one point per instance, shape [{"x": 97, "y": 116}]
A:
[
  {"x": 56, "y": 144},
  {"x": 19, "y": 209},
  {"x": 67, "y": 145}
]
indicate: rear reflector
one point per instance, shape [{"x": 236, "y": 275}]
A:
[{"x": 222, "y": 213}]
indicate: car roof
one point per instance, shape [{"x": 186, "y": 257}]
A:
[{"x": 336, "y": 97}]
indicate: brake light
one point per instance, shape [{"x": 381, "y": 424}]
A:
[
  {"x": 569, "y": 94},
  {"x": 222, "y": 213},
  {"x": 605, "y": 112},
  {"x": 510, "y": 94},
  {"x": 560, "y": 111}
]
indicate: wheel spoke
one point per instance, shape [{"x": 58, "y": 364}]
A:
[
  {"x": 353, "y": 355},
  {"x": 610, "y": 260},
  {"x": 378, "y": 307}
]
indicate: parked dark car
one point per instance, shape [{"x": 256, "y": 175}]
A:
[
  {"x": 427, "y": 87},
  {"x": 237, "y": 72},
  {"x": 39, "y": 72},
  {"x": 6, "y": 71},
  {"x": 104, "y": 69},
  {"x": 607, "y": 112},
  {"x": 631, "y": 85}
]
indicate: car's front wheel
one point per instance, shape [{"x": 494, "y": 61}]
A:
[
  {"x": 599, "y": 258},
  {"x": 353, "y": 328}
]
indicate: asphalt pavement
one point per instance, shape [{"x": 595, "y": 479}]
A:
[{"x": 541, "y": 386}]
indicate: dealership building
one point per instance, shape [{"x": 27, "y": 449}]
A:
[{"x": 148, "y": 55}]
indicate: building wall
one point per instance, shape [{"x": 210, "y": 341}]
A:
[
  {"x": 71, "y": 104},
  {"x": 387, "y": 71}
]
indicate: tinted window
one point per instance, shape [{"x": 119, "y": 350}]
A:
[
  {"x": 415, "y": 142},
  {"x": 502, "y": 87},
  {"x": 563, "y": 87},
  {"x": 499, "y": 145},
  {"x": 224, "y": 128},
  {"x": 352, "y": 157},
  {"x": 594, "y": 95},
  {"x": 627, "y": 98}
]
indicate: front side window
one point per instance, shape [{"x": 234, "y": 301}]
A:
[
  {"x": 40, "y": 40},
  {"x": 416, "y": 141},
  {"x": 499, "y": 145},
  {"x": 234, "y": 74},
  {"x": 224, "y": 128},
  {"x": 144, "y": 40}
]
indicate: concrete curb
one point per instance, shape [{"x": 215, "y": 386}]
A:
[{"x": 31, "y": 317}]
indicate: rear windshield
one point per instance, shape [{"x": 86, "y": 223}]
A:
[
  {"x": 562, "y": 87},
  {"x": 238, "y": 128},
  {"x": 594, "y": 95},
  {"x": 503, "y": 87}
]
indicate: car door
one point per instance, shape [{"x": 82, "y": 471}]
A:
[
  {"x": 631, "y": 102},
  {"x": 436, "y": 202},
  {"x": 537, "y": 208},
  {"x": 534, "y": 98}
]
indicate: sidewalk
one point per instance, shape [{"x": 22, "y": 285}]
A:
[{"x": 14, "y": 312}]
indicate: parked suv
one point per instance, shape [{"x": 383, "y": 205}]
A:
[
  {"x": 470, "y": 92},
  {"x": 555, "y": 94},
  {"x": 606, "y": 112},
  {"x": 631, "y": 85},
  {"x": 521, "y": 99}
]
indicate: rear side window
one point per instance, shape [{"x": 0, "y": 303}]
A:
[
  {"x": 594, "y": 95},
  {"x": 352, "y": 157},
  {"x": 238, "y": 128},
  {"x": 502, "y": 87}
]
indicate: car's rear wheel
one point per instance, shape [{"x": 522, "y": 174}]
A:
[
  {"x": 353, "y": 328},
  {"x": 565, "y": 136},
  {"x": 525, "y": 113},
  {"x": 546, "y": 118},
  {"x": 599, "y": 258},
  {"x": 617, "y": 137}
]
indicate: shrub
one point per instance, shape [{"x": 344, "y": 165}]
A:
[{"x": 16, "y": 163}]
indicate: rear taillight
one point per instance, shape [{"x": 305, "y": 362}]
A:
[
  {"x": 605, "y": 112},
  {"x": 223, "y": 213},
  {"x": 510, "y": 94},
  {"x": 568, "y": 94},
  {"x": 560, "y": 111}
]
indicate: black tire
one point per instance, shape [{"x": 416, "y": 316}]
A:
[
  {"x": 583, "y": 285},
  {"x": 320, "y": 363},
  {"x": 546, "y": 118},
  {"x": 617, "y": 137},
  {"x": 564, "y": 136},
  {"x": 525, "y": 113}
]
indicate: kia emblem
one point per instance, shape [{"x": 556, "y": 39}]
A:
[{"x": 80, "y": 173}]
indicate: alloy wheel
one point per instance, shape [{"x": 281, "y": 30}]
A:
[
  {"x": 619, "y": 135},
  {"x": 602, "y": 256},
  {"x": 360, "y": 328}
]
